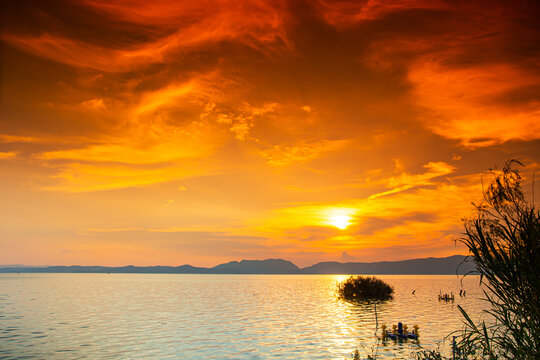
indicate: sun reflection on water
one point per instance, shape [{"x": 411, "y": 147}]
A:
[{"x": 168, "y": 316}]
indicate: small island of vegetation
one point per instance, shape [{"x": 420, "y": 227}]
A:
[{"x": 358, "y": 288}]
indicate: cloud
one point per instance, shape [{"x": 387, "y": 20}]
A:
[
  {"x": 152, "y": 144},
  {"x": 283, "y": 155},
  {"x": 4, "y": 138},
  {"x": 196, "y": 24},
  {"x": 168, "y": 96},
  {"x": 405, "y": 181},
  {"x": 85, "y": 55},
  {"x": 479, "y": 85},
  {"x": 92, "y": 230},
  {"x": 77, "y": 177},
  {"x": 371, "y": 225},
  {"x": 468, "y": 104},
  {"x": 346, "y": 257},
  {"x": 241, "y": 119},
  {"x": 144, "y": 144},
  {"x": 7, "y": 155},
  {"x": 191, "y": 241},
  {"x": 94, "y": 104},
  {"x": 347, "y": 13}
]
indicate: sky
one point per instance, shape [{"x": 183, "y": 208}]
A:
[{"x": 200, "y": 132}]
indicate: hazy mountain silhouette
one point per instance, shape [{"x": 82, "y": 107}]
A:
[
  {"x": 184, "y": 269},
  {"x": 435, "y": 266},
  {"x": 270, "y": 266},
  {"x": 449, "y": 265}
]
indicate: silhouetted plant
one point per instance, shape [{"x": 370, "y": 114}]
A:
[
  {"x": 504, "y": 241},
  {"x": 357, "y": 288},
  {"x": 428, "y": 355},
  {"x": 372, "y": 355}
]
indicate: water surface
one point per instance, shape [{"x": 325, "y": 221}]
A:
[{"x": 172, "y": 316}]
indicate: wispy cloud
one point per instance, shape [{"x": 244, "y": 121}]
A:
[
  {"x": 197, "y": 24},
  {"x": 282, "y": 155},
  {"x": 405, "y": 181},
  {"x": 7, "y": 155}
]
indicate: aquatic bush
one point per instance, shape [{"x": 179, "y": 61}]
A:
[
  {"x": 503, "y": 238},
  {"x": 357, "y": 288}
]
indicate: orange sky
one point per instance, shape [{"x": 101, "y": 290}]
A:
[{"x": 173, "y": 132}]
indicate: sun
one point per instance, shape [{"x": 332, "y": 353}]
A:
[
  {"x": 339, "y": 218},
  {"x": 340, "y": 221}
]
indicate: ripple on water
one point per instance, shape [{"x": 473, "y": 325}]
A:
[{"x": 223, "y": 316}]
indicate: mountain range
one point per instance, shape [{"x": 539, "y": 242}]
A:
[{"x": 452, "y": 265}]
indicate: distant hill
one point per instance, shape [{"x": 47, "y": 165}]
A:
[
  {"x": 270, "y": 266},
  {"x": 184, "y": 269},
  {"x": 436, "y": 266}
]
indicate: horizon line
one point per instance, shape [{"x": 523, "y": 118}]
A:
[{"x": 8, "y": 266}]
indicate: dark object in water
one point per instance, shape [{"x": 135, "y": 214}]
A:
[
  {"x": 446, "y": 297},
  {"x": 392, "y": 336},
  {"x": 399, "y": 332}
]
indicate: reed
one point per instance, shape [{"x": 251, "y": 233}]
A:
[{"x": 503, "y": 238}]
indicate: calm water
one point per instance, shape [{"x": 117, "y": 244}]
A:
[{"x": 127, "y": 316}]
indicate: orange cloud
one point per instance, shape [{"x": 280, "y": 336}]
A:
[
  {"x": 240, "y": 119},
  {"x": 468, "y": 104},
  {"x": 197, "y": 23},
  {"x": 77, "y": 177},
  {"x": 406, "y": 181},
  {"x": 147, "y": 154},
  {"x": 4, "y": 138},
  {"x": 165, "y": 97},
  {"x": 282, "y": 155},
  {"x": 347, "y": 13},
  {"x": 94, "y": 104},
  {"x": 7, "y": 155}
]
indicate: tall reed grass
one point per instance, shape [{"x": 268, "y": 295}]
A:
[{"x": 503, "y": 238}]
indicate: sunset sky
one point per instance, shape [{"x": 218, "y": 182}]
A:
[{"x": 173, "y": 132}]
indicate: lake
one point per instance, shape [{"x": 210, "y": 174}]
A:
[{"x": 173, "y": 316}]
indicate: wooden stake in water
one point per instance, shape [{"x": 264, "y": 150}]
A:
[
  {"x": 376, "y": 320},
  {"x": 453, "y": 348}
]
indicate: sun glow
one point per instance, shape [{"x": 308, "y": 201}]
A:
[
  {"x": 340, "y": 278},
  {"x": 340, "y": 218}
]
